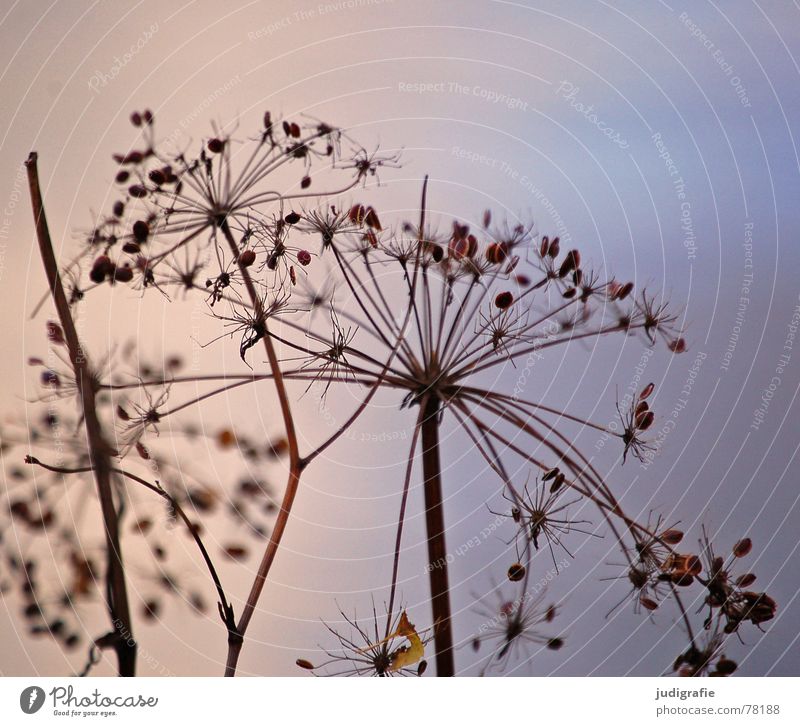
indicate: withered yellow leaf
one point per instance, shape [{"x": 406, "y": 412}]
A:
[{"x": 407, "y": 655}]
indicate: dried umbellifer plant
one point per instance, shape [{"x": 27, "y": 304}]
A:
[
  {"x": 439, "y": 320},
  {"x": 454, "y": 313}
]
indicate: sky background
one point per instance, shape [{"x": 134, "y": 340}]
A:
[{"x": 490, "y": 98}]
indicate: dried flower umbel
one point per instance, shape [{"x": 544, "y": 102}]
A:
[{"x": 441, "y": 320}]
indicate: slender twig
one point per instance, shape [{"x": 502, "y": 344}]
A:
[
  {"x": 236, "y": 639},
  {"x": 226, "y": 609},
  {"x": 99, "y": 449}
]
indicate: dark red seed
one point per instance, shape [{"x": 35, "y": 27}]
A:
[
  {"x": 136, "y": 118},
  {"x": 516, "y": 572},
  {"x": 745, "y": 580},
  {"x": 141, "y": 231},
  {"x": 678, "y": 345},
  {"x": 122, "y": 176},
  {"x": 645, "y": 420},
  {"x": 671, "y": 537},
  {"x": 138, "y": 191},
  {"x": 123, "y": 274},
  {"x": 504, "y": 300},
  {"x": 742, "y": 547},
  {"x": 247, "y": 258},
  {"x": 305, "y": 182},
  {"x": 292, "y": 218},
  {"x": 158, "y": 177},
  {"x": 726, "y": 666},
  {"x": 304, "y": 257},
  {"x": 215, "y": 146},
  {"x": 118, "y": 208}
]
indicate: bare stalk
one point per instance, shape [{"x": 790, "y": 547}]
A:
[
  {"x": 437, "y": 549},
  {"x": 296, "y": 465},
  {"x": 99, "y": 449}
]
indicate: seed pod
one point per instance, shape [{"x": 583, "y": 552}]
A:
[
  {"x": 726, "y": 667},
  {"x": 504, "y": 300},
  {"x": 215, "y": 146},
  {"x": 671, "y": 537},
  {"x": 303, "y": 663},
  {"x": 557, "y": 483},
  {"x": 624, "y": 291},
  {"x": 150, "y": 610},
  {"x": 304, "y": 257},
  {"x": 646, "y": 391},
  {"x": 694, "y": 565},
  {"x": 136, "y": 118},
  {"x": 555, "y": 643},
  {"x": 682, "y": 579},
  {"x": 516, "y": 572},
  {"x": 555, "y": 248},
  {"x": 437, "y": 253},
  {"x": 678, "y": 345},
  {"x": 54, "y": 333},
  {"x": 742, "y": 547},
  {"x": 247, "y": 258},
  {"x": 123, "y": 274},
  {"x": 544, "y": 246},
  {"x": 648, "y": 604},
  {"x": 305, "y": 182},
  {"x": 138, "y": 191},
  {"x": 157, "y": 177},
  {"x": 496, "y": 253},
  {"x": 292, "y": 218},
  {"x": 645, "y": 420},
  {"x": 371, "y": 219},
  {"x": 141, "y": 230},
  {"x": 571, "y": 262},
  {"x": 745, "y": 580},
  {"x": 102, "y": 267}
]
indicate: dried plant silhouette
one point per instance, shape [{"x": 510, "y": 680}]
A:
[{"x": 444, "y": 322}]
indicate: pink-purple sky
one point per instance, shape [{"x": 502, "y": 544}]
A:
[{"x": 658, "y": 137}]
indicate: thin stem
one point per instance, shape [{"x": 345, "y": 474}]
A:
[
  {"x": 226, "y": 610},
  {"x": 99, "y": 449},
  {"x": 401, "y": 520},
  {"x": 236, "y": 639},
  {"x": 437, "y": 549}
]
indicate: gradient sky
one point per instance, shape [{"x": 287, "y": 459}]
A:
[{"x": 491, "y": 98}]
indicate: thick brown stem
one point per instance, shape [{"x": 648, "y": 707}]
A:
[
  {"x": 99, "y": 449},
  {"x": 437, "y": 550}
]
